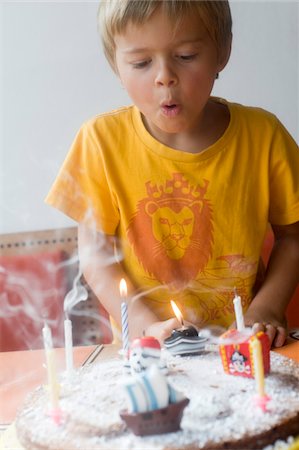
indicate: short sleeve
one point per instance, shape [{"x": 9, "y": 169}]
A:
[
  {"x": 81, "y": 189},
  {"x": 284, "y": 178}
]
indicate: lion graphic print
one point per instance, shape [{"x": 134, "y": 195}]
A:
[
  {"x": 166, "y": 231},
  {"x": 172, "y": 235}
]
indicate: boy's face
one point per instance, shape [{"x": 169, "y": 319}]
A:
[{"x": 168, "y": 72}]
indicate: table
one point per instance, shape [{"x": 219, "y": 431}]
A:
[
  {"x": 21, "y": 372},
  {"x": 291, "y": 349}
]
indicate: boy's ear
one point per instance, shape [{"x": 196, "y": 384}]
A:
[{"x": 225, "y": 55}]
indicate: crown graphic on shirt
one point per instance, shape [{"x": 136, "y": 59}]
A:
[{"x": 178, "y": 189}]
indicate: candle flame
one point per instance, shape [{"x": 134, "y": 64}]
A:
[
  {"x": 177, "y": 312},
  {"x": 123, "y": 288}
]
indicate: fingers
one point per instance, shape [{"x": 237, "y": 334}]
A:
[
  {"x": 280, "y": 338},
  {"x": 169, "y": 326},
  {"x": 162, "y": 330},
  {"x": 277, "y": 335}
]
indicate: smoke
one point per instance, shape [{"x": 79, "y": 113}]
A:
[
  {"x": 214, "y": 335},
  {"x": 29, "y": 296},
  {"x": 77, "y": 294},
  {"x": 37, "y": 292},
  {"x": 148, "y": 291}
]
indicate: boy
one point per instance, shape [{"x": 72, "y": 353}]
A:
[{"x": 182, "y": 183}]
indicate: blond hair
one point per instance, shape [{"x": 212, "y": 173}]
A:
[{"x": 115, "y": 15}]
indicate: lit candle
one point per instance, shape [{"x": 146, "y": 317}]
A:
[
  {"x": 52, "y": 376},
  {"x": 177, "y": 312},
  {"x": 259, "y": 375},
  {"x": 124, "y": 316},
  {"x": 185, "y": 330},
  {"x": 183, "y": 340},
  {"x": 68, "y": 343},
  {"x": 238, "y": 312}
]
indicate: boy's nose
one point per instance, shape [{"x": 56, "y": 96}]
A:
[{"x": 166, "y": 76}]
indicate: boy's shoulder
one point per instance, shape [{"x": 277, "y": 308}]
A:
[
  {"x": 110, "y": 118},
  {"x": 254, "y": 114}
]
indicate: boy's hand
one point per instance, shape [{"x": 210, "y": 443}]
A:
[
  {"x": 162, "y": 330},
  {"x": 277, "y": 333},
  {"x": 275, "y": 329}
]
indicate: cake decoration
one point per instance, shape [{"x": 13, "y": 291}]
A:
[
  {"x": 151, "y": 392},
  {"x": 236, "y": 354},
  {"x": 261, "y": 399},
  {"x": 238, "y": 311},
  {"x": 68, "y": 345},
  {"x": 236, "y": 347},
  {"x": 159, "y": 421},
  {"x": 245, "y": 354},
  {"x": 77, "y": 294},
  {"x": 53, "y": 386},
  {"x": 143, "y": 353},
  {"x": 184, "y": 340},
  {"x": 124, "y": 317}
]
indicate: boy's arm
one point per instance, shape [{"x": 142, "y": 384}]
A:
[
  {"x": 103, "y": 273},
  {"x": 267, "y": 310}
]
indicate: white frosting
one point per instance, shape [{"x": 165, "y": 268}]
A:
[{"x": 221, "y": 407}]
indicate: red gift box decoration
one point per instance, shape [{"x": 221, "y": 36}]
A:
[{"x": 236, "y": 353}]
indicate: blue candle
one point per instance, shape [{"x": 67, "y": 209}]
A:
[{"x": 124, "y": 316}]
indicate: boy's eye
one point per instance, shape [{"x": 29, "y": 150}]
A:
[
  {"x": 187, "y": 57},
  {"x": 140, "y": 64}
]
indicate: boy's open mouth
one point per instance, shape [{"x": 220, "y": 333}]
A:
[{"x": 170, "y": 110}]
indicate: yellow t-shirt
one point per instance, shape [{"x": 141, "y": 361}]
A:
[{"x": 191, "y": 225}]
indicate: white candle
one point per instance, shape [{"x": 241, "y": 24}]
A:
[
  {"x": 68, "y": 343},
  {"x": 238, "y": 312},
  {"x": 124, "y": 316},
  {"x": 47, "y": 336},
  {"x": 51, "y": 369}
]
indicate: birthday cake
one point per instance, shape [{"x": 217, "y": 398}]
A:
[{"x": 221, "y": 412}]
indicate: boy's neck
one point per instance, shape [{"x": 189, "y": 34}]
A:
[{"x": 212, "y": 125}]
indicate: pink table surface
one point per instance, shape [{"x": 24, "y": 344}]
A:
[{"x": 22, "y": 371}]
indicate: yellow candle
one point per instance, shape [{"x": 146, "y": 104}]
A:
[
  {"x": 51, "y": 368},
  {"x": 258, "y": 366}
]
